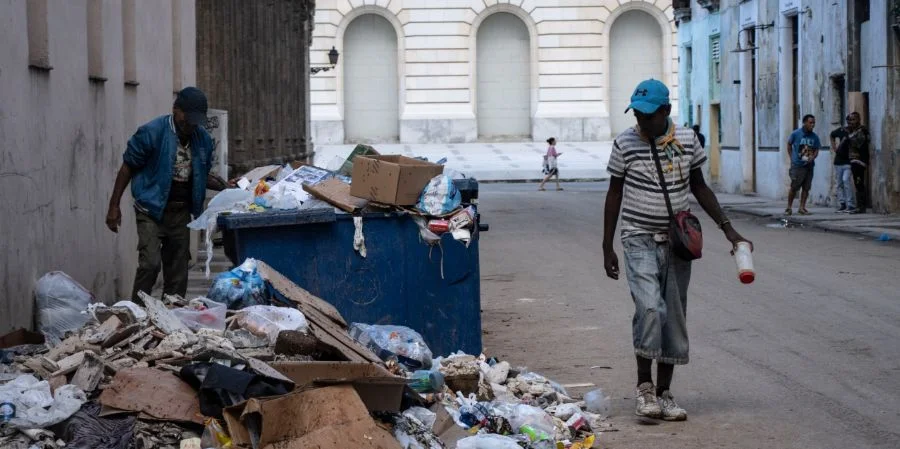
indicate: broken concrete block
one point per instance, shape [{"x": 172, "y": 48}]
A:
[
  {"x": 89, "y": 373},
  {"x": 121, "y": 334},
  {"x": 161, "y": 316},
  {"x": 104, "y": 331},
  {"x": 70, "y": 363}
]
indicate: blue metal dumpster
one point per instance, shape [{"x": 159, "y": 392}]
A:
[{"x": 434, "y": 290}]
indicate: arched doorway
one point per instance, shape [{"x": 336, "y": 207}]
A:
[
  {"x": 636, "y": 49},
  {"x": 371, "y": 105},
  {"x": 504, "y": 78}
]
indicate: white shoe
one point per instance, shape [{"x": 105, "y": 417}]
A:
[
  {"x": 670, "y": 410},
  {"x": 647, "y": 404}
]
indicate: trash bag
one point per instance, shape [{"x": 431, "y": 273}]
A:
[
  {"x": 61, "y": 305},
  {"x": 440, "y": 197},
  {"x": 239, "y": 288},
  {"x": 87, "y": 430},
  {"x": 269, "y": 321},
  {"x": 487, "y": 441},
  {"x": 389, "y": 342},
  {"x": 35, "y": 406},
  {"x": 219, "y": 386},
  {"x": 597, "y": 402},
  {"x": 202, "y": 313},
  {"x": 228, "y": 200}
]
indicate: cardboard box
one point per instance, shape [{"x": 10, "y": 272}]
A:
[
  {"x": 321, "y": 418},
  {"x": 395, "y": 180},
  {"x": 21, "y": 337},
  {"x": 380, "y": 390},
  {"x": 360, "y": 150}
]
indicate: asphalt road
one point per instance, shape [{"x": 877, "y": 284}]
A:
[{"x": 808, "y": 356}]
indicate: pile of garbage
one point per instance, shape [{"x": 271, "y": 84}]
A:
[
  {"x": 261, "y": 363},
  {"x": 364, "y": 182}
]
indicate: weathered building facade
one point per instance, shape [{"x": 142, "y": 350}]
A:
[
  {"x": 253, "y": 61},
  {"x": 431, "y": 71},
  {"x": 76, "y": 79},
  {"x": 750, "y": 70}
]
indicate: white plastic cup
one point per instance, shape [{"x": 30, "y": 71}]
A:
[{"x": 743, "y": 256}]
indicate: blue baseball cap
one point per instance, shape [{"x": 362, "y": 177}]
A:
[
  {"x": 193, "y": 102},
  {"x": 649, "y": 96}
]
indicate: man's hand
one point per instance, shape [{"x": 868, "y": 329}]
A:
[
  {"x": 611, "y": 263},
  {"x": 114, "y": 218},
  {"x": 735, "y": 238}
]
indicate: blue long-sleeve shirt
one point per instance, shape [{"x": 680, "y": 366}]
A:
[{"x": 151, "y": 156}]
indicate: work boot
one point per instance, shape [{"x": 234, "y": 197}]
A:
[
  {"x": 670, "y": 410},
  {"x": 842, "y": 208},
  {"x": 647, "y": 404}
]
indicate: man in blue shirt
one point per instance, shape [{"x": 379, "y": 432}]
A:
[
  {"x": 803, "y": 146},
  {"x": 167, "y": 161}
]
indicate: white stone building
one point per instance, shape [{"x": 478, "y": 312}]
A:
[
  {"x": 751, "y": 69},
  {"x": 433, "y": 71},
  {"x": 77, "y": 77}
]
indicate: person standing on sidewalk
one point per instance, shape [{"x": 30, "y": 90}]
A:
[
  {"x": 657, "y": 278},
  {"x": 803, "y": 147},
  {"x": 858, "y": 138},
  {"x": 167, "y": 161},
  {"x": 550, "y": 164},
  {"x": 843, "y": 178}
]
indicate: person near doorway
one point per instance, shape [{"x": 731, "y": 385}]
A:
[
  {"x": 803, "y": 147},
  {"x": 657, "y": 278},
  {"x": 843, "y": 178},
  {"x": 700, "y": 135},
  {"x": 858, "y": 139},
  {"x": 167, "y": 161},
  {"x": 551, "y": 168}
]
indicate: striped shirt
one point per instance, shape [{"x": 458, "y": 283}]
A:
[{"x": 643, "y": 204}]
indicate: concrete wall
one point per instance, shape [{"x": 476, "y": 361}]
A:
[
  {"x": 569, "y": 44},
  {"x": 754, "y": 156},
  {"x": 63, "y": 136}
]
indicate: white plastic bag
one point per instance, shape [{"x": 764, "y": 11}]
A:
[
  {"x": 61, "y": 305},
  {"x": 423, "y": 415},
  {"x": 269, "y": 321},
  {"x": 487, "y": 441},
  {"x": 35, "y": 406},
  {"x": 202, "y": 313},
  {"x": 224, "y": 201},
  {"x": 388, "y": 341},
  {"x": 597, "y": 402}
]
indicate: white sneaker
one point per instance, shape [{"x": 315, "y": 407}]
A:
[
  {"x": 647, "y": 404},
  {"x": 670, "y": 410}
]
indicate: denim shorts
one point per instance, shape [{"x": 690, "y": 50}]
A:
[{"x": 659, "y": 282}]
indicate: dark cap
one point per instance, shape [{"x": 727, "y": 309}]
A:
[{"x": 192, "y": 102}]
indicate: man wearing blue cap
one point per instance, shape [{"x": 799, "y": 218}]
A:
[
  {"x": 658, "y": 278},
  {"x": 167, "y": 161}
]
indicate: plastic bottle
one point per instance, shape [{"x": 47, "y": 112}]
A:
[
  {"x": 7, "y": 412},
  {"x": 744, "y": 258},
  {"x": 425, "y": 381}
]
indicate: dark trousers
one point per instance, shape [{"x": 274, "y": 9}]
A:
[
  {"x": 163, "y": 245},
  {"x": 859, "y": 182}
]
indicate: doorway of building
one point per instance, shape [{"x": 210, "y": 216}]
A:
[
  {"x": 636, "y": 48},
  {"x": 504, "y": 78},
  {"x": 371, "y": 99}
]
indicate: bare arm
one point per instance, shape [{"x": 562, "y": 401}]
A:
[
  {"x": 114, "y": 215},
  {"x": 610, "y": 219},
  {"x": 710, "y": 204},
  {"x": 215, "y": 182}
]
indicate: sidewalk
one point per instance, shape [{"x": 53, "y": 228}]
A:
[
  {"x": 869, "y": 224},
  {"x": 516, "y": 161}
]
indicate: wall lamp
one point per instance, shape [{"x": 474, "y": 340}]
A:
[
  {"x": 332, "y": 58},
  {"x": 739, "y": 49}
]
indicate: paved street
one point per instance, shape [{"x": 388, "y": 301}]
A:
[
  {"x": 806, "y": 357},
  {"x": 496, "y": 161}
]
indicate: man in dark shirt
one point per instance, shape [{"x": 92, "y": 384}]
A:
[
  {"x": 840, "y": 147},
  {"x": 858, "y": 142},
  {"x": 700, "y": 135}
]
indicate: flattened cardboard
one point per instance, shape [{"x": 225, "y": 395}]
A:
[
  {"x": 329, "y": 417},
  {"x": 394, "y": 179},
  {"x": 159, "y": 394},
  {"x": 21, "y": 337},
  {"x": 337, "y": 193},
  {"x": 380, "y": 390}
]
